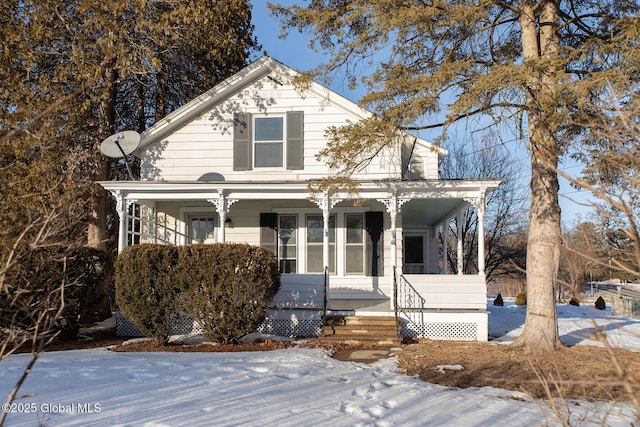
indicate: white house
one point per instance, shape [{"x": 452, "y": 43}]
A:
[{"x": 235, "y": 164}]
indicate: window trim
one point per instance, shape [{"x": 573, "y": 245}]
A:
[
  {"x": 282, "y": 142},
  {"x": 321, "y": 244},
  {"x": 362, "y": 244},
  {"x": 424, "y": 234},
  {"x": 296, "y": 257},
  {"x": 200, "y": 217},
  {"x": 187, "y": 211},
  {"x": 418, "y": 161}
]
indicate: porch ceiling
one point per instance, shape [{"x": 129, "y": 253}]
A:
[{"x": 421, "y": 212}]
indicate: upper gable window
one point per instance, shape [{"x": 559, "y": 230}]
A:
[
  {"x": 268, "y": 142},
  {"x": 416, "y": 169},
  {"x": 274, "y": 141}
]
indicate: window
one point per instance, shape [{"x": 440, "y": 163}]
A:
[
  {"x": 274, "y": 141},
  {"x": 134, "y": 224},
  {"x": 287, "y": 243},
  {"x": 200, "y": 228},
  {"x": 354, "y": 244},
  {"x": 416, "y": 169},
  {"x": 413, "y": 249},
  {"x": 269, "y": 142},
  {"x": 315, "y": 229}
]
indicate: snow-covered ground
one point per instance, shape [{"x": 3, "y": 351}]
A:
[{"x": 293, "y": 387}]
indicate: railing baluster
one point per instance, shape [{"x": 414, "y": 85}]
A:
[{"x": 407, "y": 298}]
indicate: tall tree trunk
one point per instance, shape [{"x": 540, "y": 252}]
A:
[
  {"x": 97, "y": 227},
  {"x": 540, "y": 332}
]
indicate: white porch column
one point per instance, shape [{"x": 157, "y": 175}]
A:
[
  {"x": 222, "y": 204},
  {"x": 325, "y": 231},
  {"x": 459, "y": 219},
  {"x": 445, "y": 246},
  {"x": 222, "y": 220},
  {"x": 393, "y": 213},
  {"x": 479, "y": 204},
  {"x": 394, "y": 206},
  {"x": 122, "y": 206},
  {"x": 480, "y": 208},
  {"x": 326, "y": 203}
]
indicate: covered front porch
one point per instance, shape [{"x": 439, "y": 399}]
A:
[{"x": 380, "y": 252}]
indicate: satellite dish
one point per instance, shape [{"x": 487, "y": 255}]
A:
[{"x": 120, "y": 144}]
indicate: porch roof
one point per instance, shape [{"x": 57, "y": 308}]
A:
[
  {"x": 427, "y": 202},
  {"x": 298, "y": 190}
]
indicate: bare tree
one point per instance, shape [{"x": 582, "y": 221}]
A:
[
  {"x": 583, "y": 246},
  {"x": 506, "y": 206},
  {"x": 33, "y": 283},
  {"x": 611, "y": 175}
]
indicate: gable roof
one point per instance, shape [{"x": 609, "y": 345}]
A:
[
  {"x": 262, "y": 67},
  {"x": 253, "y": 72}
]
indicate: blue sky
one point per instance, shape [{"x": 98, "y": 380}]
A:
[{"x": 295, "y": 53}]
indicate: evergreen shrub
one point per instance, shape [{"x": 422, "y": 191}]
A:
[
  {"x": 146, "y": 287},
  {"x": 50, "y": 276},
  {"x": 35, "y": 280},
  {"x": 499, "y": 302},
  {"x": 600, "y": 303},
  {"x": 90, "y": 269},
  {"x": 85, "y": 273},
  {"x": 227, "y": 287},
  {"x": 521, "y": 299}
]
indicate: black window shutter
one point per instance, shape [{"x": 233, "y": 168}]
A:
[
  {"x": 269, "y": 231},
  {"x": 374, "y": 243},
  {"x": 242, "y": 159},
  {"x": 295, "y": 140}
]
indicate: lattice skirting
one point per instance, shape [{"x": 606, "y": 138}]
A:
[
  {"x": 440, "y": 331},
  {"x": 125, "y": 327},
  {"x": 459, "y": 326},
  {"x": 308, "y": 323},
  {"x": 291, "y": 328},
  {"x": 292, "y": 325}
]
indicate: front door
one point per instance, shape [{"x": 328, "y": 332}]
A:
[{"x": 414, "y": 254}]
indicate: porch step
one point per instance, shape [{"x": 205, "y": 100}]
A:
[{"x": 369, "y": 331}]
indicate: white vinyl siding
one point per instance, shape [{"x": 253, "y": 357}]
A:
[{"x": 206, "y": 144}]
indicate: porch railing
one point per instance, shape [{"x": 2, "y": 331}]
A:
[
  {"x": 409, "y": 299},
  {"x": 406, "y": 299}
]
